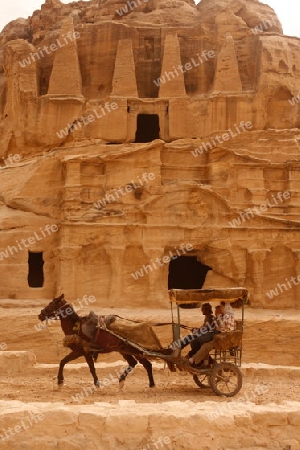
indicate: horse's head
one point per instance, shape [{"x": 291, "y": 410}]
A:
[{"x": 58, "y": 308}]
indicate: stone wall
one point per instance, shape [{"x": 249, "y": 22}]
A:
[
  {"x": 129, "y": 425},
  {"x": 92, "y": 99}
]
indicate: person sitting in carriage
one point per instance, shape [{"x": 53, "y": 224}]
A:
[
  {"x": 200, "y": 335},
  {"x": 225, "y": 323},
  {"x": 226, "y": 320}
]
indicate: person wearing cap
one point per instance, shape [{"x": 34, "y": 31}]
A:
[
  {"x": 225, "y": 323},
  {"x": 200, "y": 335},
  {"x": 208, "y": 334}
]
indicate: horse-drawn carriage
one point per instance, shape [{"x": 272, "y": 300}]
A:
[{"x": 221, "y": 372}]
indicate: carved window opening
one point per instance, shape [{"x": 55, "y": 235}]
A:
[
  {"x": 147, "y": 128},
  {"x": 186, "y": 272},
  {"x": 35, "y": 269}
]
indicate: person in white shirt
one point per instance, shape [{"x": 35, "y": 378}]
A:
[{"x": 226, "y": 320}]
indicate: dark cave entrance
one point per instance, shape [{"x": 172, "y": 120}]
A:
[
  {"x": 35, "y": 269},
  {"x": 147, "y": 128},
  {"x": 186, "y": 272}
]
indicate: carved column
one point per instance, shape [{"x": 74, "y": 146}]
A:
[
  {"x": 65, "y": 77},
  {"x": 72, "y": 193},
  {"x": 157, "y": 278},
  {"x": 115, "y": 255},
  {"x": 175, "y": 86},
  {"x": 124, "y": 80},
  {"x": 258, "y": 256},
  {"x": 227, "y": 76},
  {"x": 67, "y": 274},
  {"x": 296, "y": 254},
  {"x": 132, "y": 113}
]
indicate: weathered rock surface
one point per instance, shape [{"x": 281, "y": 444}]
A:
[
  {"x": 130, "y": 425},
  {"x": 96, "y": 95},
  {"x": 16, "y": 362}
]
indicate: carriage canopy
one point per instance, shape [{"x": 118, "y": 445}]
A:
[{"x": 194, "y": 298}]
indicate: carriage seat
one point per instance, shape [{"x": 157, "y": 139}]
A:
[{"x": 228, "y": 340}]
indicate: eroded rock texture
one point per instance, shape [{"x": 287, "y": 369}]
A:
[{"x": 140, "y": 127}]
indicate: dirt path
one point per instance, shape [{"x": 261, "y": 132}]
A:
[
  {"x": 267, "y": 401},
  {"x": 271, "y": 337},
  {"x": 38, "y": 384}
]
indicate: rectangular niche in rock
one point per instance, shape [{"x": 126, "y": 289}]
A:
[
  {"x": 35, "y": 269},
  {"x": 147, "y": 128}
]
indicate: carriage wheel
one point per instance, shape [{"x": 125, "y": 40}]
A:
[
  {"x": 226, "y": 379},
  {"x": 202, "y": 380}
]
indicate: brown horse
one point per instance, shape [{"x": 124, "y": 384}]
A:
[{"x": 60, "y": 309}]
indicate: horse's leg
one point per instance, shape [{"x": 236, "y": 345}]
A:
[
  {"x": 129, "y": 351},
  {"x": 70, "y": 357},
  {"x": 95, "y": 356},
  {"x": 132, "y": 362},
  {"x": 148, "y": 366},
  {"x": 90, "y": 362}
]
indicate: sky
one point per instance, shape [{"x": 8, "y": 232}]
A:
[{"x": 288, "y": 12}]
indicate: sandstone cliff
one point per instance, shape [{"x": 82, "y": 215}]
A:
[{"x": 206, "y": 97}]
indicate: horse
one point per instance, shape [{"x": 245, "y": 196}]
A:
[{"x": 60, "y": 309}]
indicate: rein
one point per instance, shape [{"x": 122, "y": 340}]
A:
[{"x": 160, "y": 324}]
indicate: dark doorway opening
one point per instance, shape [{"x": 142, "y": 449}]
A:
[
  {"x": 186, "y": 272},
  {"x": 35, "y": 269},
  {"x": 147, "y": 128}
]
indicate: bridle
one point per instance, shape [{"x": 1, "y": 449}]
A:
[{"x": 53, "y": 308}]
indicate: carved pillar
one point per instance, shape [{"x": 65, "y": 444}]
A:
[
  {"x": 115, "y": 255},
  {"x": 227, "y": 76},
  {"x": 174, "y": 85},
  {"x": 258, "y": 256},
  {"x": 158, "y": 277},
  {"x": 65, "y": 77},
  {"x": 73, "y": 169},
  {"x": 124, "y": 79},
  {"x": 72, "y": 193},
  {"x": 133, "y": 111},
  {"x": 296, "y": 254},
  {"x": 67, "y": 273}
]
